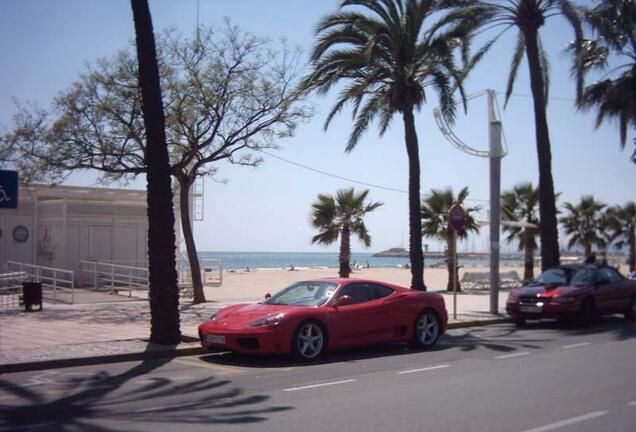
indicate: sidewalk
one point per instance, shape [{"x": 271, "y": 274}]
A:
[{"x": 64, "y": 335}]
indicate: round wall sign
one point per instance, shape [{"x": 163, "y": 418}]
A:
[{"x": 20, "y": 234}]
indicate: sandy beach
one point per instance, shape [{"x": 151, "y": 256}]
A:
[{"x": 254, "y": 284}]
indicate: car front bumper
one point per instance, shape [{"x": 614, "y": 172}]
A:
[
  {"x": 550, "y": 310},
  {"x": 266, "y": 340}
]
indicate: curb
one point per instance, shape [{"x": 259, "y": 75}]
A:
[
  {"x": 171, "y": 353},
  {"x": 477, "y": 323},
  {"x": 89, "y": 361}
]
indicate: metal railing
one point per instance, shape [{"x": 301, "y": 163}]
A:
[
  {"x": 100, "y": 274},
  {"x": 211, "y": 272},
  {"x": 60, "y": 281},
  {"x": 11, "y": 290}
]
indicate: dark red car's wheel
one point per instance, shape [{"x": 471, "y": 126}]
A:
[
  {"x": 630, "y": 313},
  {"x": 309, "y": 341}
]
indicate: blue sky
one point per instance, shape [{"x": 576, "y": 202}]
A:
[{"x": 45, "y": 44}]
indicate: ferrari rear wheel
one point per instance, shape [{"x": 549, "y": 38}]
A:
[
  {"x": 309, "y": 341},
  {"x": 427, "y": 329}
]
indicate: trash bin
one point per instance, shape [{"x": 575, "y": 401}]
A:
[{"x": 31, "y": 295}]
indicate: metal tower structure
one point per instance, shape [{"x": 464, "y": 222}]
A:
[{"x": 497, "y": 149}]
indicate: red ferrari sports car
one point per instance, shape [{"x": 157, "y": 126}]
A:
[{"x": 310, "y": 317}]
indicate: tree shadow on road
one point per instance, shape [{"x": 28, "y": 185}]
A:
[{"x": 86, "y": 402}]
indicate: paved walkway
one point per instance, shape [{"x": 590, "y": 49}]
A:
[{"x": 120, "y": 328}]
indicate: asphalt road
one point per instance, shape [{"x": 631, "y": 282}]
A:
[{"x": 546, "y": 377}]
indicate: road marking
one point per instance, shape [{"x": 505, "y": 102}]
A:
[
  {"x": 577, "y": 345},
  {"x": 568, "y": 422},
  {"x": 318, "y": 385},
  {"x": 222, "y": 369},
  {"x": 507, "y": 356},
  {"x": 632, "y": 403},
  {"x": 423, "y": 369}
]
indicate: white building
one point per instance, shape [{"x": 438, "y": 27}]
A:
[{"x": 58, "y": 226}]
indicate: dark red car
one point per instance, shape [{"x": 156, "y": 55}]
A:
[
  {"x": 582, "y": 292},
  {"x": 310, "y": 317}
]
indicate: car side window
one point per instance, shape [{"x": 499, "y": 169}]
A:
[
  {"x": 609, "y": 275},
  {"x": 359, "y": 293},
  {"x": 380, "y": 291}
]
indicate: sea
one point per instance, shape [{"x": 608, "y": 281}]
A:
[{"x": 280, "y": 260}]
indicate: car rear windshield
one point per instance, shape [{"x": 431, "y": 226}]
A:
[{"x": 304, "y": 294}]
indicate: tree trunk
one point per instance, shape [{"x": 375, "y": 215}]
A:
[
  {"x": 631, "y": 254},
  {"x": 188, "y": 237},
  {"x": 588, "y": 249},
  {"x": 162, "y": 274},
  {"x": 345, "y": 251},
  {"x": 528, "y": 264},
  {"x": 547, "y": 206},
  {"x": 415, "y": 214},
  {"x": 450, "y": 246}
]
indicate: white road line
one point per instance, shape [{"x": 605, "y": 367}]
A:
[
  {"x": 507, "y": 356},
  {"x": 568, "y": 422},
  {"x": 423, "y": 369},
  {"x": 577, "y": 345},
  {"x": 318, "y": 385},
  {"x": 632, "y": 403}
]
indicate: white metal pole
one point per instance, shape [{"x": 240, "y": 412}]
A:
[
  {"x": 454, "y": 275},
  {"x": 495, "y": 205}
]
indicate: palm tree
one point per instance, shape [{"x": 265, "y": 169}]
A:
[
  {"x": 614, "y": 95},
  {"x": 342, "y": 216},
  {"x": 164, "y": 293},
  {"x": 584, "y": 224},
  {"x": 528, "y": 16},
  {"x": 386, "y": 53},
  {"x": 622, "y": 223},
  {"x": 434, "y": 212},
  {"x": 521, "y": 221}
]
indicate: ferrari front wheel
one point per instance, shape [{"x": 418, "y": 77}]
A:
[
  {"x": 427, "y": 329},
  {"x": 309, "y": 341}
]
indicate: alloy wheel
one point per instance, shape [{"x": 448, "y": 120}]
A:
[
  {"x": 310, "y": 341},
  {"x": 427, "y": 329}
]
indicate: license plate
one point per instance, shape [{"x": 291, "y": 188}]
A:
[
  {"x": 215, "y": 339},
  {"x": 529, "y": 309}
]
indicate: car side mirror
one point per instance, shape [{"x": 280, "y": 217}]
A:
[
  {"x": 268, "y": 296},
  {"x": 343, "y": 301}
]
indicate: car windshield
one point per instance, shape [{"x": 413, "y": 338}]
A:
[
  {"x": 553, "y": 276},
  {"x": 304, "y": 294}
]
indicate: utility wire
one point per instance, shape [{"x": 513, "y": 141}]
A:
[{"x": 346, "y": 178}]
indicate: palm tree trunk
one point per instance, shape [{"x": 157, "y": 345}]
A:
[
  {"x": 162, "y": 275},
  {"x": 631, "y": 257},
  {"x": 188, "y": 236},
  {"x": 588, "y": 249},
  {"x": 345, "y": 251},
  {"x": 415, "y": 216},
  {"x": 528, "y": 265},
  {"x": 547, "y": 205}
]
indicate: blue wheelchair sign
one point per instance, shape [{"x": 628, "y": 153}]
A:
[{"x": 8, "y": 189}]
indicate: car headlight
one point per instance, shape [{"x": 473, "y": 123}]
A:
[{"x": 269, "y": 320}]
